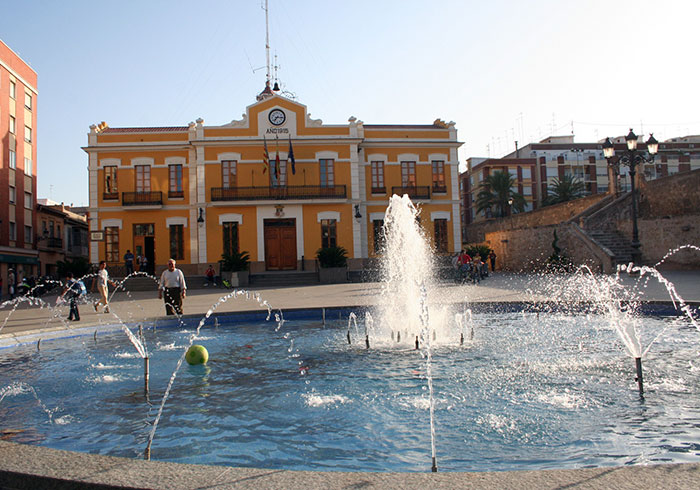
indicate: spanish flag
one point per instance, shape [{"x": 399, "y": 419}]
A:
[{"x": 266, "y": 157}]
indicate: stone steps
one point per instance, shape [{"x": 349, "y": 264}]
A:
[{"x": 616, "y": 243}]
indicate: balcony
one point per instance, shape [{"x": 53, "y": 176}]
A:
[
  {"x": 278, "y": 193},
  {"x": 52, "y": 242},
  {"x": 176, "y": 194},
  {"x": 110, "y": 196},
  {"x": 152, "y": 198},
  {"x": 378, "y": 190},
  {"x": 414, "y": 192},
  {"x": 439, "y": 189}
]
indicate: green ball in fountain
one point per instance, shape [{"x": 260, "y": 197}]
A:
[{"x": 197, "y": 354}]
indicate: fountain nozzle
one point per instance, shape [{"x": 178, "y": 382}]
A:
[
  {"x": 367, "y": 341},
  {"x": 417, "y": 343},
  {"x": 461, "y": 338},
  {"x": 640, "y": 378},
  {"x": 349, "y": 337}
]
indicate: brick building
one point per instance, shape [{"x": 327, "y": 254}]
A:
[{"x": 18, "y": 133}]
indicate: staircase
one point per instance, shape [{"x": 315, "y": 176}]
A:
[
  {"x": 615, "y": 242},
  {"x": 284, "y": 278}
]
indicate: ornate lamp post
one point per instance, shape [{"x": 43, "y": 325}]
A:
[{"x": 631, "y": 158}]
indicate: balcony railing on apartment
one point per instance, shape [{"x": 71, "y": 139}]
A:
[
  {"x": 52, "y": 242},
  {"x": 176, "y": 194},
  {"x": 110, "y": 196},
  {"x": 151, "y": 198},
  {"x": 439, "y": 189},
  {"x": 278, "y": 193},
  {"x": 414, "y": 192}
]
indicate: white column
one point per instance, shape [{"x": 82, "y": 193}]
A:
[{"x": 93, "y": 202}]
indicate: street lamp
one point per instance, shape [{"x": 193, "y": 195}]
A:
[{"x": 631, "y": 158}]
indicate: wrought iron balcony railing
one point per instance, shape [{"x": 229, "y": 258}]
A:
[
  {"x": 151, "y": 198},
  {"x": 414, "y": 192},
  {"x": 440, "y": 189},
  {"x": 110, "y": 196},
  {"x": 278, "y": 193},
  {"x": 378, "y": 190},
  {"x": 176, "y": 194},
  {"x": 52, "y": 242}
]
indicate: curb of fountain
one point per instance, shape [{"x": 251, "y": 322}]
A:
[
  {"x": 24, "y": 466},
  {"x": 33, "y": 336}
]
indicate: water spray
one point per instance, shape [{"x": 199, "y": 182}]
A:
[
  {"x": 323, "y": 316},
  {"x": 146, "y": 374}
]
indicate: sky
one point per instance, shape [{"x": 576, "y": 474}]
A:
[{"x": 502, "y": 70}]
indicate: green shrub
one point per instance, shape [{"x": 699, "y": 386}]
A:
[
  {"x": 332, "y": 257},
  {"x": 482, "y": 250},
  {"x": 237, "y": 261}
]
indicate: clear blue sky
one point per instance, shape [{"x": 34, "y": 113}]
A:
[{"x": 503, "y": 70}]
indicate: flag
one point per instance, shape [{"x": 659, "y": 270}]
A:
[
  {"x": 277, "y": 165},
  {"x": 277, "y": 158},
  {"x": 266, "y": 157},
  {"x": 290, "y": 157}
]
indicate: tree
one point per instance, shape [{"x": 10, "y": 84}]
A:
[
  {"x": 495, "y": 191},
  {"x": 565, "y": 189}
]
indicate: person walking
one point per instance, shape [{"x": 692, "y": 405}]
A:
[
  {"x": 172, "y": 288},
  {"x": 11, "y": 280},
  {"x": 72, "y": 291},
  {"x": 129, "y": 262},
  {"x": 101, "y": 280},
  {"x": 492, "y": 259}
]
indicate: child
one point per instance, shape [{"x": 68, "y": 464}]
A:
[{"x": 72, "y": 291}]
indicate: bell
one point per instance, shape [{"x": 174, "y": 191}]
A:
[{"x": 276, "y": 87}]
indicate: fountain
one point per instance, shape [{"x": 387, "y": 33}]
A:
[{"x": 415, "y": 379}]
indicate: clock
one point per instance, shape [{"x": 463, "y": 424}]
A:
[{"x": 277, "y": 117}]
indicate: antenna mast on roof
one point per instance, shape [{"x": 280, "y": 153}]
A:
[{"x": 267, "y": 44}]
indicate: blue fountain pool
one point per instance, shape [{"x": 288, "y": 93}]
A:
[{"x": 528, "y": 392}]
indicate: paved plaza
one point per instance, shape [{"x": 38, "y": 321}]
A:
[{"x": 48, "y": 465}]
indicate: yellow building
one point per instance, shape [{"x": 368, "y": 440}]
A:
[{"x": 195, "y": 192}]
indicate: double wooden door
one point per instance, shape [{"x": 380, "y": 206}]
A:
[{"x": 280, "y": 244}]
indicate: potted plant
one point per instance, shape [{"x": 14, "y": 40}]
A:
[
  {"x": 333, "y": 262},
  {"x": 234, "y": 268}
]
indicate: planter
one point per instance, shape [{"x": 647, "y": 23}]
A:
[
  {"x": 237, "y": 279},
  {"x": 333, "y": 275}
]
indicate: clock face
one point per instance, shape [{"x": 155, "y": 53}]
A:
[{"x": 277, "y": 117}]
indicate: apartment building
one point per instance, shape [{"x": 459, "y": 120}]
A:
[
  {"x": 557, "y": 156},
  {"x": 275, "y": 183},
  {"x": 18, "y": 133}
]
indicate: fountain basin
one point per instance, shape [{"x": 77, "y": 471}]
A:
[{"x": 527, "y": 393}]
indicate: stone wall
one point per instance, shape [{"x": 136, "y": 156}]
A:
[
  {"x": 549, "y": 215},
  {"x": 528, "y": 249},
  {"x": 675, "y": 195}
]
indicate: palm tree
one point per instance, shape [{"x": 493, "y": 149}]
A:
[
  {"x": 568, "y": 188},
  {"x": 496, "y": 190}
]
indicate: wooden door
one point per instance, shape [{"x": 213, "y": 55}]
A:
[{"x": 280, "y": 245}]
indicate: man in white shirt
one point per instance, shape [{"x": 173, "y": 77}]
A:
[
  {"x": 172, "y": 288},
  {"x": 102, "y": 279}
]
